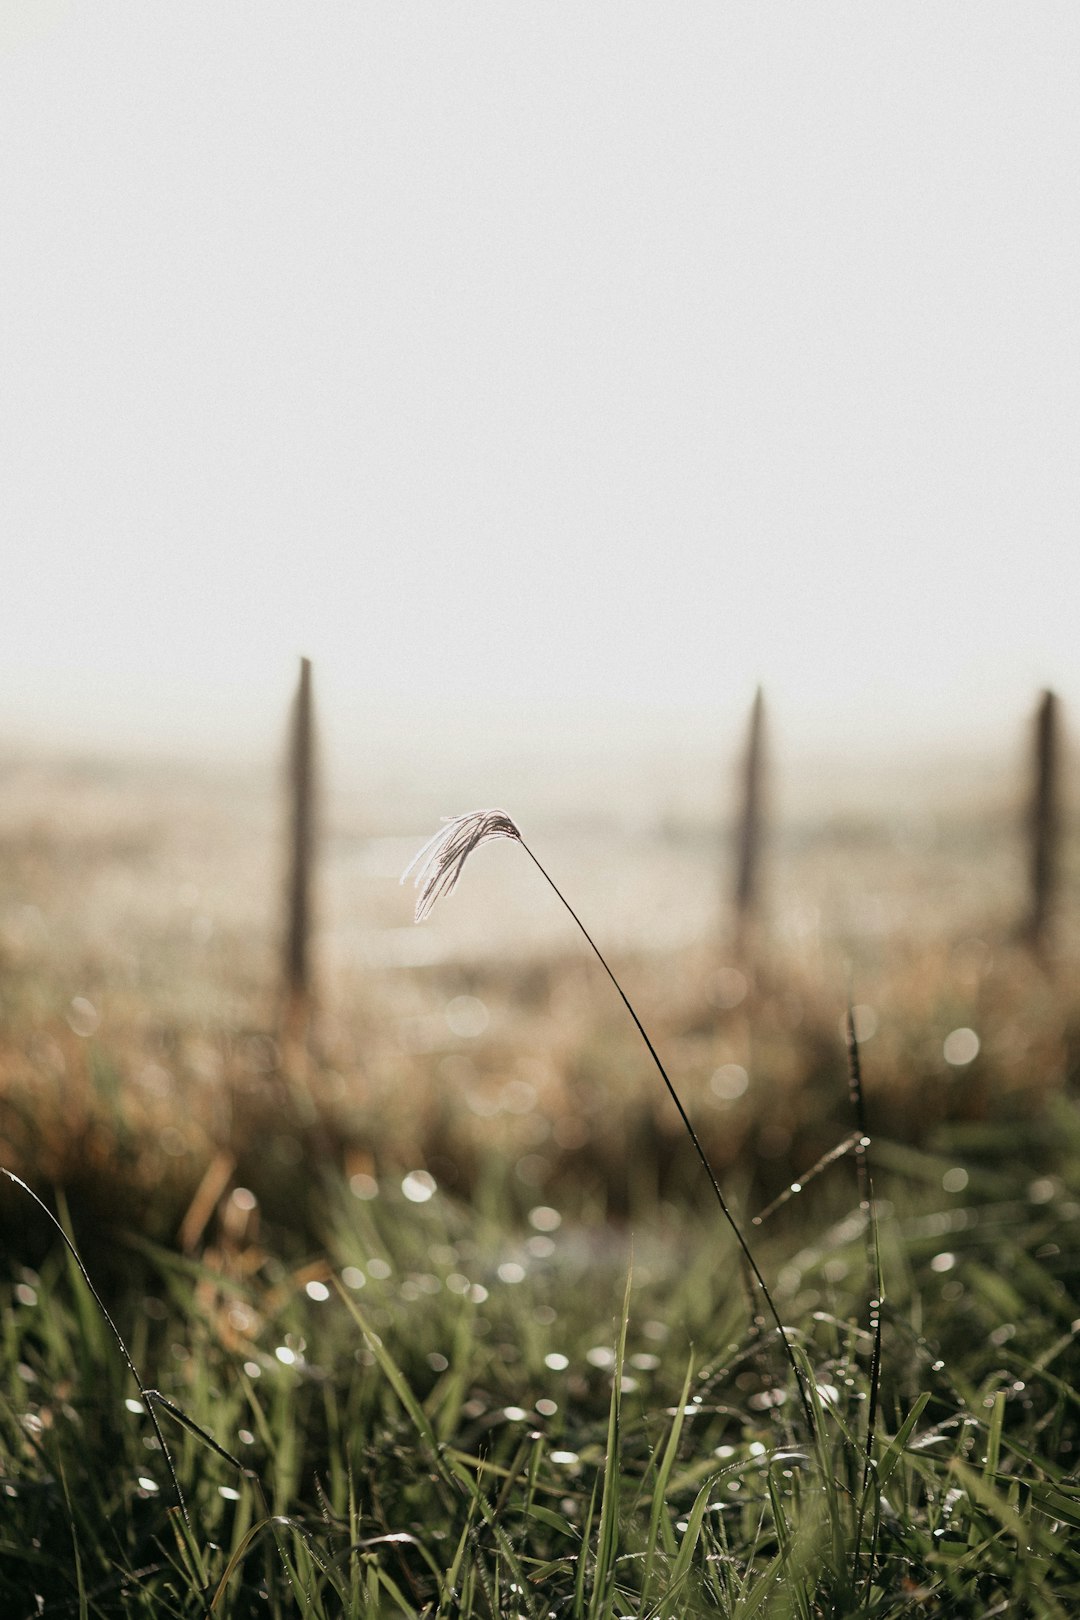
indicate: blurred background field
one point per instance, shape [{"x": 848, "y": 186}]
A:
[{"x": 142, "y": 913}]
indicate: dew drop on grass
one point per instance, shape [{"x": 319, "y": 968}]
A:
[
  {"x": 317, "y": 1291},
  {"x": 601, "y": 1355},
  {"x": 943, "y": 1262},
  {"x": 565, "y": 1459},
  {"x": 547, "y": 1408},
  {"x": 353, "y": 1277},
  {"x": 544, "y": 1219},
  {"x": 511, "y": 1272},
  {"x": 467, "y": 1017},
  {"x": 362, "y": 1185},
  {"x": 253, "y": 1369},
  {"x": 865, "y": 1019},
  {"x": 514, "y": 1414},
  {"x": 954, "y": 1180},
  {"x": 729, "y": 1081},
  {"x": 556, "y": 1361},
  {"x": 133, "y": 1405},
  {"x": 228, "y": 1494},
  {"x": 286, "y": 1356},
  {"x": 728, "y": 988},
  {"x": 82, "y": 1016},
  {"x": 418, "y": 1186},
  {"x": 961, "y": 1047}
]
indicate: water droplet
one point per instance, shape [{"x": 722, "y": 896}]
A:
[
  {"x": 961, "y": 1047},
  {"x": 83, "y": 1017}
]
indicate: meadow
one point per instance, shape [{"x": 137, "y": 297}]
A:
[{"x": 443, "y": 1316}]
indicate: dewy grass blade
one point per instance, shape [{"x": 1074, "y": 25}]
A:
[
  {"x": 145, "y": 1394},
  {"x": 657, "y": 1507},
  {"x": 607, "y": 1541}
]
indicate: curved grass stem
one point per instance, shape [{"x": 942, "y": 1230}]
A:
[{"x": 725, "y": 1208}]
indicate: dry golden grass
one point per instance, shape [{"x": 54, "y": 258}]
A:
[{"x": 139, "y": 923}]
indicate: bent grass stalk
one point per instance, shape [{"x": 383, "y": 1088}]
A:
[
  {"x": 152, "y": 1399},
  {"x": 438, "y": 866}
]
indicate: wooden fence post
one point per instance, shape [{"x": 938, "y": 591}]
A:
[
  {"x": 1044, "y": 823},
  {"x": 750, "y": 827},
  {"x": 298, "y": 921}
]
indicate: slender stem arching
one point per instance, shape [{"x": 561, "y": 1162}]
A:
[{"x": 700, "y": 1151}]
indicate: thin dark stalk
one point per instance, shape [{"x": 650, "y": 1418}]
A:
[
  {"x": 858, "y": 1104},
  {"x": 840, "y": 1151},
  {"x": 699, "y": 1150},
  {"x": 877, "y": 1306},
  {"x": 147, "y": 1396},
  {"x": 877, "y": 1301}
]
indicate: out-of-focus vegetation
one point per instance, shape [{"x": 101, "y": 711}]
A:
[
  {"x": 140, "y": 928},
  {"x": 384, "y": 1267}
]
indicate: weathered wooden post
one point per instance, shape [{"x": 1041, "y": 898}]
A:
[
  {"x": 298, "y": 900},
  {"x": 1044, "y": 820},
  {"x": 750, "y": 828}
]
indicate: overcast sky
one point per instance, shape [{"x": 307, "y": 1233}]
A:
[{"x": 597, "y": 360}]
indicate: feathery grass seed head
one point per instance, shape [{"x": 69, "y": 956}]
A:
[{"x": 438, "y": 865}]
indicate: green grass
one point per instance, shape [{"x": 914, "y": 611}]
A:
[
  {"x": 394, "y": 1460},
  {"x": 467, "y": 1406}
]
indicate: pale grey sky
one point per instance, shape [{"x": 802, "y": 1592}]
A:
[{"x": 571, "y": 357}]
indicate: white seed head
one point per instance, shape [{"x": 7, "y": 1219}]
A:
[{"x": 438, "y": 865}]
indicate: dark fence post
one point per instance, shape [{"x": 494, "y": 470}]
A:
[
  {"x": 298, "y": 970},
  {"x": 750, "y": 827},
  {"x": 1044, "y": 822}
]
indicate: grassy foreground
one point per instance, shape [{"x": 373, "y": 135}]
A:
[
  {"x": 450, "y": 1410},
  {"x": 441, "y": 1316}
]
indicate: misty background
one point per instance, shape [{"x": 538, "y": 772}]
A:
[{"x": 549, "y": 377}]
